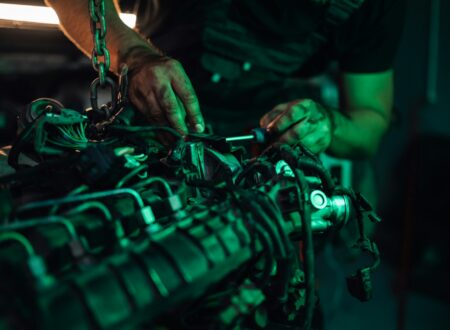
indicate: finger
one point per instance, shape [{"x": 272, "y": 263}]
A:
[
  {"x": 296, "y": 133},
  {"x": 146, "y": 103},
  {"x": 316, "y": 142},
  {"x": 318, "y": 113},
  {"x": 138, "y": 101},
  {"x": 154, "y": 113},
  {"x": 276, "y": 111},
  {"x": 271, "y": 115},
  {"x": 138, "y": 98},
  {"x": 188, "y": 98},
  {"x": 173, "y": 111},
  {"x": 292, "y": 115}
]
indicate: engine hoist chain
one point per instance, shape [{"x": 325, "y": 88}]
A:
[
  {"x": 100, "y": 58},
  {"x": 106, "y": 113},
  {"x": 100, "y": 53}
]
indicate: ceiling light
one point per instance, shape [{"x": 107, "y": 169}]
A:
[{"x": 17, "y": 14}]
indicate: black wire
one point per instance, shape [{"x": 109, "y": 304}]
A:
[
  {"x": 283, "y": 258},
  {"x": 269, "y": 225},
  {"x": 145, "y": 129},
  {"x": 264, "y": 221},
  {"x": 284, "y": 262},
  {"x": 269, "y": 254},
  {"x": 289, "y": 156},
  {"x": 271, "y": 209},
  {"x": 302, "y": 159},
  {"x": 319, "y": 170},
  {"x": 266, "y": 239},
  {"x": 308, "y": 249},
  {"x": 258, "y": 164}
]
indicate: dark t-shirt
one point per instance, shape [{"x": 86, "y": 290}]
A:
[{"x": 366, "y": 42}]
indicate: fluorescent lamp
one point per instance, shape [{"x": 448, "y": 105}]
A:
[
  {"x": 128, "y": 19},
  {"x": 43, "y": 15}
]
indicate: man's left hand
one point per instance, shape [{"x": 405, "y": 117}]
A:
[{"x": 302, "y": 122}]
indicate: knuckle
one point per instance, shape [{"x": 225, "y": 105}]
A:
[
  {"x": 163, "y": 95},
  {"x": 173, "y": 62},
  {"x": 263, "y": 122},
  {"x": 274, "y": 125},
  {"x": 187, "y": 96},
  {"x": 290, "y": 115},
  {"x": 274, "y": 114},
  {"x": 174, "y": 65},
  {"x": 170, "y": 107},
  {"x": 295, "y": 134},
  {"x": 154, "y": 110},
  {"x": 267, "y": 118},
  {"x": 190, "y": 98}
]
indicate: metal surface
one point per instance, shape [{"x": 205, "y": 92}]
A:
[{"x": 100, "y": 53}]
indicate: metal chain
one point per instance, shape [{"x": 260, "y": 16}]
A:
[
  {"x": 100, "y": 54},
  {"x": 101, "y": 59}
]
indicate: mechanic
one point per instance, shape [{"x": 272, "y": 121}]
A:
[
  {"x": 234, "y": 63},
  {"x": 247, "y": 60}
]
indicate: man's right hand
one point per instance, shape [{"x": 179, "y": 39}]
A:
[
  {"x": 158, "y": 85},
  {"x": 161, "y": 90}
]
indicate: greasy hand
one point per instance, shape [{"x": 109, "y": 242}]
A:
[
  {"x": 161, "y": 90},
  {"x": 302, "y": 122}
]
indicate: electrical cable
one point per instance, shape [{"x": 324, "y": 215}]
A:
[
  {"x": 318, "y": 169},
  {"x": 285, "y": 260},
  {"x": 269, "y": 255},
  {"x": 76, "y": 191},
  {"x": 288, "y": 155},
  {"x": 49, "y": 221},
  {"x": 153, "y": 180},
  {"x": 19, "y": 238},
  {"x": 118, "y": 227},
  {"x": 308, "y": 253},
  {"x": 92, "y": 205},
  {"x": 273, "y": 209},
  {"x": 266, "y": 166},
  {"x": 268, "y": 225},
  {"x": 248, "y": 205},
  {"x": 81, "y": 198},
  {"x": 68, "y": 226},
  {"x": 145, "y": 129},
  {"x": 260, "y": 230},
  {"x": 130, "y": 175},
  {"x": 73, "y": 136}
]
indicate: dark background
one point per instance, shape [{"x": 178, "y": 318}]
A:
[{"x": 412, "y": 288}]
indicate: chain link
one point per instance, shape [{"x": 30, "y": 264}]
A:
[
  {"x": 100, "y": 55},
  {"x": 101, "y": 60}
]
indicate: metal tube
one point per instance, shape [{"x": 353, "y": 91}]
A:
[{"x": 240, "y": 138}]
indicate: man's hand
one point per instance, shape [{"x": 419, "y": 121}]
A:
[
  {"x": 302, "y": 122},
  {"x": 161, "y": 90},
  {"x": 158, "y": 85}
]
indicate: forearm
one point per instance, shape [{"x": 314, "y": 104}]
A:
[
  {"x": 367, "y": 99},
  {"x": 358, "y": 135},
  {"x": 75, "y": 22}
]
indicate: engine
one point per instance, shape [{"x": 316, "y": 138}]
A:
[{"x": 108, "y": 225}]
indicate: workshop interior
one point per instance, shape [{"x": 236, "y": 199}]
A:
[{"x": 109, "y": 222}]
